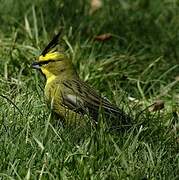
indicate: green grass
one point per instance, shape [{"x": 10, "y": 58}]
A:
[{"x": 140, "y": 61}]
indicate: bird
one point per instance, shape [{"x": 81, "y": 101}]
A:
[{"x": 69, "y": 96}]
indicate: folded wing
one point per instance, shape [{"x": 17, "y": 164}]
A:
[{"x": 83, "y": 99}]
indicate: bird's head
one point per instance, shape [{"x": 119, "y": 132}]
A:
[{"x": 52, "y": 62}]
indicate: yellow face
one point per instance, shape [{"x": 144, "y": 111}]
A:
[
  {"x": 51, "y": 63},
  {"x": 54, "y": 64}
]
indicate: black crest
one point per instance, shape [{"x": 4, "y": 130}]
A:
[{"x": 51, "y": 44}]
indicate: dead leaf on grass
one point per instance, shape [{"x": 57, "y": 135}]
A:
[
  {"x": 157, "y": 105},
  {"x": 95, "y": 5},
  {"x": 103, "y": 37}
]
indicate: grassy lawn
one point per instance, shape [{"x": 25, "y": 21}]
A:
[{"x": 135, "y": 68}]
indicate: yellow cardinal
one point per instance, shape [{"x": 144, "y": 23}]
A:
[{"x": 69, "y": 96}]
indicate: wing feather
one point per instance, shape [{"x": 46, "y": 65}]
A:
[{"x": 81, "y": 98}]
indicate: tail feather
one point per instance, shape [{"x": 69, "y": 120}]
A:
[{"x": 114, "y": 117}]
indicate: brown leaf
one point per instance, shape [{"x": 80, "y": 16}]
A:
[
  {"x": 103, "y": 37},
  {"x": 95, "y": 5},
  {"x": 156, "y": 106}
]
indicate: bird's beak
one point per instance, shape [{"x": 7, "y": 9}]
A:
[{"x": 35, "y": 65}]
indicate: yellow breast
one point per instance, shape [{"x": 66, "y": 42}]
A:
[{"x": 50, "y": 77}]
